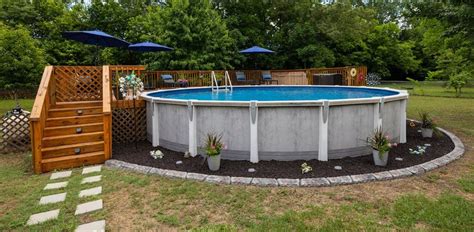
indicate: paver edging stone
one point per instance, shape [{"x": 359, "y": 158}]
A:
[{"x": 418, "y": 169}]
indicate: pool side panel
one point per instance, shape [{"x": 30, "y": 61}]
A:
[
  {"x": 230, "y": 122},
  {"x": 288, "y": 129},
  {"x": 349, "y": 126},
  {"x": 173, "y": 124},
  {"x": 391, "y": 120}
]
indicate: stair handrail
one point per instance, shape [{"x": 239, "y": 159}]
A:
[
  {"x": 41, "y": 95},
  {"x": 107, "y": 110},
  {"x": 38, "y": 116}
]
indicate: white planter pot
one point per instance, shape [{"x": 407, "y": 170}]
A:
[
  {"x": 214, "y": 162},
  {"x": 380, "y": 160},
  {"x": 426, "y": 132}
]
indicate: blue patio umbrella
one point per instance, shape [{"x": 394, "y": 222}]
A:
[
  {"x": 97, "y": 38},
  {"x": 256, "y": 50},
  {"x": 148, "y": 47}
]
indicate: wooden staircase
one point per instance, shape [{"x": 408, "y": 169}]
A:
[
  {"x": 71, "y": 118},
  {"x": 74, "y": 135}
]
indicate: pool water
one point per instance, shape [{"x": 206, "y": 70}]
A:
[{"x": 287, "y": 93}]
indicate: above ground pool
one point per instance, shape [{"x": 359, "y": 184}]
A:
[{"x": 276, "y": 122}]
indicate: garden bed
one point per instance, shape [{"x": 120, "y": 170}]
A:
[{"x": 440, "y": 145}]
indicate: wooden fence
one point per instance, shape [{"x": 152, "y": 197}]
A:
[{"x": 152, "y": 79}]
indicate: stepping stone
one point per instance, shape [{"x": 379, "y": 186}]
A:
[
  {"x": 42, "y": 217},
  {"x": 97, "y": 226},
  {"x": 92, "y": 169},
  {"x": 59, "y": 175},
  {"x": 91, "y": 179},
  {"x": 91, "y": 192},
  {"x": 60, "y": 197},
  {"x": 88, "y": 207},
  {"x": 56, "y": 185}
]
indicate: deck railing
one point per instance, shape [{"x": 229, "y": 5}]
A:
[
  {"x": 152, "y": 79},
  {"x": 44, "y": 98}
]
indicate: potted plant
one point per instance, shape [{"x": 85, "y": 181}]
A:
[
  {"x": 213, "y": 146},
  {"x": 381, "y": 145},
  {"x": 427, "y": 125}
]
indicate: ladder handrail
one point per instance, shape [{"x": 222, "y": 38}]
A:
[
  {"x": 214, "y": 80},
  {"x": 227, "y": 82}
]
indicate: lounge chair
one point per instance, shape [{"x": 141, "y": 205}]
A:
[
  {"x": 267, "y": 78},
  {"x": 241, "y": 78},
  {"x": 168, "y": 80}
]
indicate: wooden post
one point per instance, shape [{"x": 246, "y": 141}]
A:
[{"x": 107, "y": 111}]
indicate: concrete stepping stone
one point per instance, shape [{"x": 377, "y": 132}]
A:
[
  {"x": 92, "y": 169},
  {"x": 97, "y": 226},
  {"x": 42, "y": 217},
  {"x": 60, "y": 197},
  {"x": 57, "y": 185},
  {"x": 59, "y": 175},
  {"x": 90, "y": 192},
  {"x": 88, "y": 207},
  {"x": 91, "y": 179}
]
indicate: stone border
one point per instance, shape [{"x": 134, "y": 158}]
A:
[{"x": 419, "y": 169}]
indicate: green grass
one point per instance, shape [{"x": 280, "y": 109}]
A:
[
  {"x": 20, "y": 193},
  {"x": 436, "y": 201},
  {"x": 431, "y": 89},
  {"x": 7, "y": 105}
]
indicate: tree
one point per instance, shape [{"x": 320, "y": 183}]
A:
[
  {"x": 387, "y": 52},
  {"x": 193, "y": 28},
  {"x": 22, "y": 60}
]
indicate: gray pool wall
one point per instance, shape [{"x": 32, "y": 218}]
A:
[{"x": 284, "y": 130}]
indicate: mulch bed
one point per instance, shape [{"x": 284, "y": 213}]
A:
[{"x": 440, "y": 145}]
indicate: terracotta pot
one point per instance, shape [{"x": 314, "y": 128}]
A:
[
  {"x": 214, "y": 162},
  {"x": 380, "y": 160},
  {"x": 426, "y": 132}
]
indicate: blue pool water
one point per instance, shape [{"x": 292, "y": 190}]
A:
[{"x": 287, "y": 93}]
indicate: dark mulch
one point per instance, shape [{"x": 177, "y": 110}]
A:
[{"x": 440, "y": 146}]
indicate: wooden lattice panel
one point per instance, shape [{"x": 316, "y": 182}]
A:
[
  {"x": 15, "y": 132},
  {"x": 124, "y": 119},
  {"x": 78, "y": 83}
]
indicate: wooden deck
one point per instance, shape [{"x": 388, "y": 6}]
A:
[{"x": 76, "y": 107}]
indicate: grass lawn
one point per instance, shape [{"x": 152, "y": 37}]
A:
[
  {"x": 440, "y": 200},
  {"x": 432, "y": 89},
  {"x": 7, "y": 105}
]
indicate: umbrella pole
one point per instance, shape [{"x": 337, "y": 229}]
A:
[{"x": 96, "y": 59}]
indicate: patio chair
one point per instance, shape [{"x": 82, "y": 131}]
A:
[
  {"x": 168, "y": 80},
  {"x": 241, "y": 78},
  {"x": 267, "y": 78}
]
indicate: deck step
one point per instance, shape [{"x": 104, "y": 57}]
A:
[
  {"x": 73, "y": 120},
  {"x": 72, "y": 161},
  {"x": 76, "y": 104},
  {"x": 70, "y": 149},
  {"x": 75, "y": 111},
  {"x": 73, "y": 129},
  {"x": 73, "y": 139}
]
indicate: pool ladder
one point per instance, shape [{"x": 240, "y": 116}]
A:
[{"x": 215, "y": 84}]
